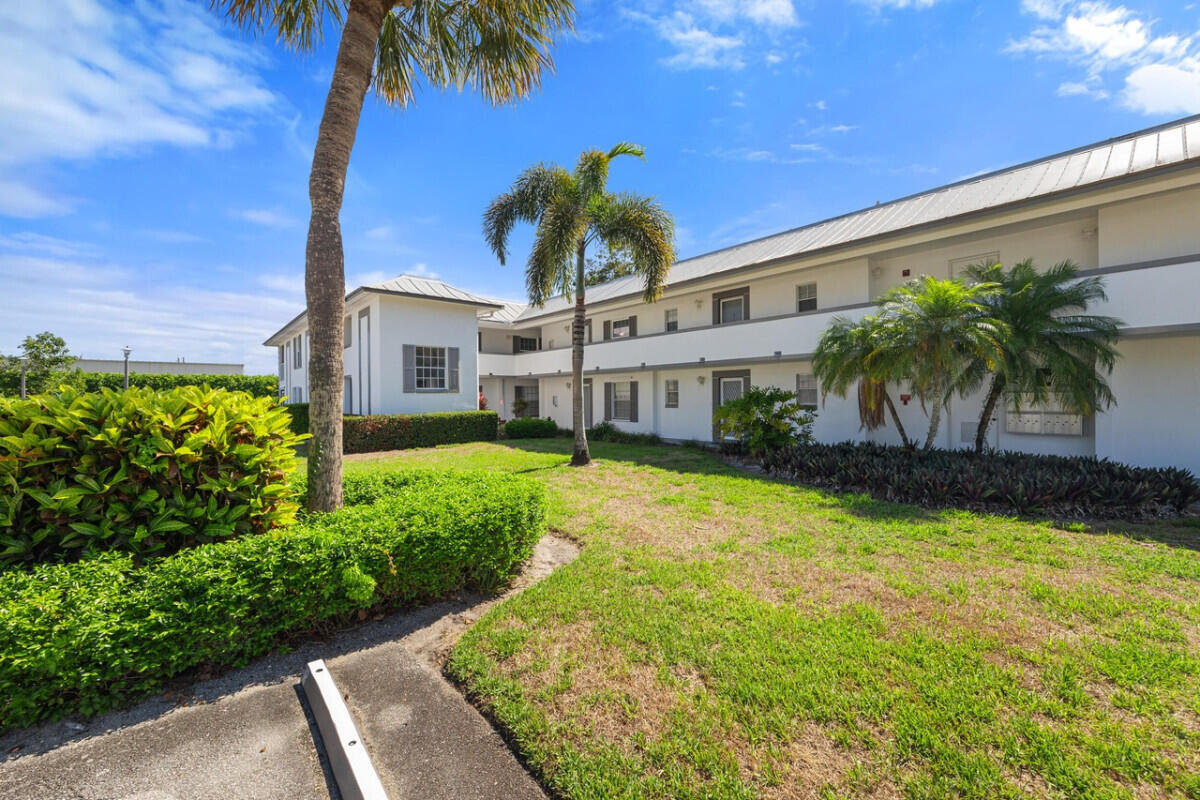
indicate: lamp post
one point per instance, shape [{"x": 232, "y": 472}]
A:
[
  {"x": 125, "y": 351},
  {"x": 24, "y": 364}
]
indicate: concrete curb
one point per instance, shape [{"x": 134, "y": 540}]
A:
[{"x": 352, "y": 769}]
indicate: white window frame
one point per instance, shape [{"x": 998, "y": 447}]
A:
[
  {"x": 628, "y": 401},
  {"x": 671, "y": 319},
  {"x": 298, "y": 351},
  {"x": 806, "y": 293},
  {"x": 726, "y": 301},
  {"x": 671, "y": 392},
  {"x": 806, "y": 383},
  {"x": 434, "y": 372}
]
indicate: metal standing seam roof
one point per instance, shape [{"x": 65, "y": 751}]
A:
[
  {"x": 417, "y": 287},
  {"x": 1164, "y": 145}
]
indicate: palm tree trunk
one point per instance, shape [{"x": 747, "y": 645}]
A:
[
  {"x": 935, "y": 417},
  {"x": 887, "y": 398},
  {"x": 989, "y": 407},
  {"x": 324, "y": 261},
  {"x": 580, "y": 456}
]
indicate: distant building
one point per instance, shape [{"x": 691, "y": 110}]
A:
[{"x": 158, "y": 367}]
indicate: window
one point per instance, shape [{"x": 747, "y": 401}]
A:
[
  {"x": 672, "y": 393},
  {"x": 525, "y": 398},
  {"x": 807, "y": 392},
  {"x": 528, "y": 344},
  {"x": 347, "y": 330},
  {"x": 621, "y": 401},
  {"x": 731, "y": 306},
  {"x": 298, "y": 352},
  {"x": 672, "y": 319},
  {"x": 431, "y": 368},
  {"x": 806, "y": 297},
  {"x": 620, "y": 329},
  {"x": 347, "y": 394},
  {"x": 297, "y": 395}
]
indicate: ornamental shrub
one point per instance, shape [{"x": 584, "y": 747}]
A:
[
  {"x": 530, "y": 428},
  {"x": 764, "y": 419},
  {"x": 607, "y": 432},
  {"x": 1005, "y": 482},
  {"x": 90, "y": 636},
  {"x": 255, "y": 385},
  {"x": 142, "y": 471},
  {"x": 375, "y": 432},
  {"x": 298, "y": 414}
]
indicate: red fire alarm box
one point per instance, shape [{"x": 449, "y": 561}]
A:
[{"x": 904, "y": 398}]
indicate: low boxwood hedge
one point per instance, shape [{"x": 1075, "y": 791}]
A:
[
  {"x": 1005, "y": 482},
  {"x": 90, "y": 636},
  {"x": 530, "y": 428},
  {"x": 375, "y": 432},
  {"x": 142, "y": 470}
]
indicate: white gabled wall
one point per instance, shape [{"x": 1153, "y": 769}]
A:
[{"x": 405, "y": 320}]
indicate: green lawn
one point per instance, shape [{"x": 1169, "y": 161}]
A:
[{"x": 724, "y": 635}]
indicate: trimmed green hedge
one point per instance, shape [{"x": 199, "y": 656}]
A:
[
  {"x": 530, "y": 428},
  {"x": 145, "y": 471},
  {"x": 256, "y": 385},
  {"x": 1005, "y": 482},
  {"x": 87, "y": 637},
  {"x": 377, "y": 432}
]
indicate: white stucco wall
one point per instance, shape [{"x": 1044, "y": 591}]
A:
[
  {"x": 425, "y": 322},
  {"x": 1155, "y": 227},
  {"x": 1157, "y": 384}
]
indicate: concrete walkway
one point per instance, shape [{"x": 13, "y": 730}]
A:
[{"x": 248, "y": 734}]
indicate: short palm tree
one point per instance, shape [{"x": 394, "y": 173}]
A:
[
  {"x": 499, "y": 47},
  {"x": 944, "y": 338},
  {"x": 851, "y": 352},
  {"x": 571, "y": 210},
  {"x": 1052, "y": 346}
]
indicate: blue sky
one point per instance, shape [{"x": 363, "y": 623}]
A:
[{"x": 154, "y": 162}]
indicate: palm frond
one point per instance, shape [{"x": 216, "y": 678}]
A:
[
  {"x": 528, "y": 198},
  {"x": 643, "y": 228},
  {"x": 559, "y": 232},
  {"x": 297, "y": 23}
]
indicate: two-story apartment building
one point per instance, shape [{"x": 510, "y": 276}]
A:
[{"x": 751, "y": 314}]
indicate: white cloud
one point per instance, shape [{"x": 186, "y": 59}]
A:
[
  {"x": 380, "y": 233},
  {"x": 1164, "y": 88},
  {"x": 1114, "y": 45},
  {"x": 19, "y": 199},
  {"x": 422, "y": 271},
  {"x": 713, "y": 34},
  {"x": 880, "y": 5},
  {"x": 99, "y": 306},
  {"x": 267, "y": 217},
  {"x": 171, "y": 237},
  {"x": 85, "y": 79}
]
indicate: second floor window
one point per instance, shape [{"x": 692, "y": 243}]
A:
[
  {"x": 431, "y": 368},
  {"x": 528, "y": 344},
  {"x": 672, "y": 319},
  {"x": 733, "y": 309},
  {"x": 806, "y": 297},
  {"x": 298, "y": 352},
  {"x": 620, "y": 328}
]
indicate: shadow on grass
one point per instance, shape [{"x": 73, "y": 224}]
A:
[{"x": 1183, "y": 532}]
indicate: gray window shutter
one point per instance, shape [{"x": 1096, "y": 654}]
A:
[
  {"x": 452, "y": 369},
  {"x": 516, "y": 344},
  {"x": 633, "y": 403},
  {"x": 607, "y": 330},
  {"x": 410, "y": 367},
  {"x": 716, "y": 304},
  {"x": 608, "y": 399},
  {"x": 633, "y": 325}
]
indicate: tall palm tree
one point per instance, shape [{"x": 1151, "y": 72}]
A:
[
  {"x": 1052, "y": 346},
  {"x": 944, "y": 337},
  {"x": 499, "y": 47},
  {"x": 571, "y": 211},
  {"x": 850, "y": 352}
]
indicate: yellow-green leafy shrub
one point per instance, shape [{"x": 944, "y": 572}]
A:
[{"x": 141, "y": 471}]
